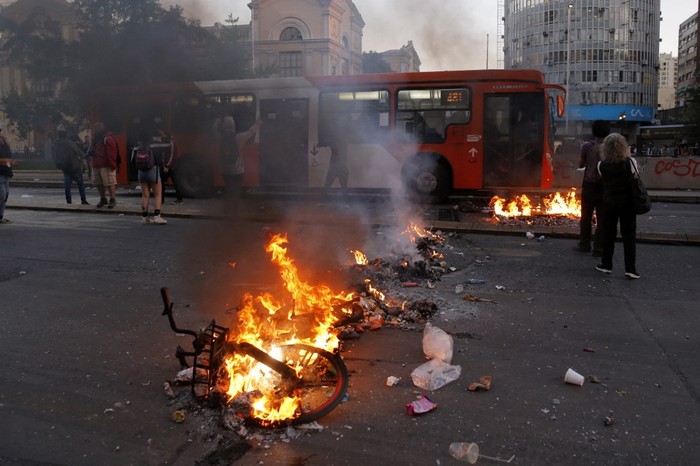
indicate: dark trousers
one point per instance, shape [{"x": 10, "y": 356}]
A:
[
  {"x": 68, "y": 178},
  {"x": 591, "y": 201},
  {"x": 625, "y": 214},
  {"x": 233, "y": 191},
  {"x": 165, "y": 175}
]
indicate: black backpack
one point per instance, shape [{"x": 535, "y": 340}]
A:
[
  {"x": 144, "y": 158},
  {"x": 65, "y": 157}
]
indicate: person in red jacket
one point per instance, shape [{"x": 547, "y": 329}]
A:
[{"x": 104, "y": 163}]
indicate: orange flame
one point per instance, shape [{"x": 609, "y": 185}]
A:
[
  {"x": 414, "y": 232},
  {"x": 267, "y": 323},
  {"x": 360, "y": 257},
  {"x": 554, "y": 205}
]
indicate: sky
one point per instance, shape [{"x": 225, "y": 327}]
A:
[{"x": 447, "y": 34}]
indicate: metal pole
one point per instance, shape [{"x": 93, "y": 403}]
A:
[
  {"x": 568, "y": 63},
  {"x": 487, "y": 51}
]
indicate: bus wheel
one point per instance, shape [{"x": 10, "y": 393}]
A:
[
  {"x": 194, "y": 177},
  {"x": 427, "y": 180}
]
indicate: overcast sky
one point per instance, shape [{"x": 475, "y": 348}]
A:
[{"x": 448, "y": 34}]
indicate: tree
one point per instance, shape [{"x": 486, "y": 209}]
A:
[
  {"x": 372, "y": 62},
  {"x": 121, "y": 42}
]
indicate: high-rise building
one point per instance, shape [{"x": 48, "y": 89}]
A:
[
  {"x": 668, "y": 72},
  {"x": 687, "y": 56},
  {"x": 605, "y": 53}
]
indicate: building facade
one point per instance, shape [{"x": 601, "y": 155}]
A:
[
  {"x": 668, "y": 73},
  {"x": 687, "y": 56},
  {"x": 605, "y": 52},
  {"x": 304, "y": 38},
  {"x": 402, "y": 60}
]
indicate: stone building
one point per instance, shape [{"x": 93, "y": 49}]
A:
[{"x": 305, "y": 38}]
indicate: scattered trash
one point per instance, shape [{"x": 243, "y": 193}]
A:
[
  {"x": 435, "y": 374},
  {"x": 500, "y": 287},
  {"x": 530, "y": 235},
  {"x": 420, "y": 406},
  {"x": 437, "y": 343},
  {"x": 593, "y": 379},
  {"x": 609, "y": 420},
  {"x": 484, "y": 383},
  {"x": 475, "y": 281},
  {"x": 392, "y": 381},
  {"x": 409, "y": 284},
  {"x": 178, "y": 416},
  {"x": 472, "y": 298},
  {"x": 459, "y": 289},
  {"x": 589, "y": 350},
  {"x": 572, "y": 377},
  {"x": 168, "y": 390},
  {"x": 468, "y": 452},
  {"x": 541, "y": 238}
]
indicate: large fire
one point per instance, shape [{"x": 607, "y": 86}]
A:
[
  {"x": 306, "y": 317},
  {"x": 557, "y": 204}
]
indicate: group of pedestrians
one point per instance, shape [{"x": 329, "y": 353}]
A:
[{"x": 607, "y": 190}]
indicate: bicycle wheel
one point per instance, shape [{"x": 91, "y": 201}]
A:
[{"x": 323, "y": 380}]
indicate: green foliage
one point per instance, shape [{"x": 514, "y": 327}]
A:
[
  {"x": 690, "y": 114},
  {"x": 372, "y": 62},
  {"x": 121, "y": 42}
]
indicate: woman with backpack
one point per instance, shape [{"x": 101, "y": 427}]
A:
[{"x": 150, "y": 179}]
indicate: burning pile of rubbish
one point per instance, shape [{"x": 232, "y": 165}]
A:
[
  {"x": 279, "y": 363},
  {"x": 555, "y": 209}
]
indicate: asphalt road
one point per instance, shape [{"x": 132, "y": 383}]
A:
[{"x": 86, "y": 350}]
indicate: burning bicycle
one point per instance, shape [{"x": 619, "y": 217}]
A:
[{"x": 281, "y": 362}]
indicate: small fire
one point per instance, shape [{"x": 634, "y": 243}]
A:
[
  {"x": 416, "y": 232},
  {"x": 557, "y": 204},
  {"x": 306, "y": 317},
  {"x": 360, "y": 257}
]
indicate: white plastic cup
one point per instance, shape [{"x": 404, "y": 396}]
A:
[
  {"x": 467, "y": 452},
  {"x": 573, "y": 377}
]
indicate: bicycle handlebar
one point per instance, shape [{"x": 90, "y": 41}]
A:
[{"x": 168, "y": 311}]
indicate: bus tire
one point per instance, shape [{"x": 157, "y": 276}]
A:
[
  {"x": 194, "y": 178},
  {"x": 427, "y": 179}
]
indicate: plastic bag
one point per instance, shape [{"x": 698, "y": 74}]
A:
[
  {"x": 435, "y": 374},
  {"x": 437, "y": 343}
]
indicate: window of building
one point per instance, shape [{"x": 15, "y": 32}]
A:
[
  {"x": 291, "y": 64},
  {"x": 290, "y": 33}
]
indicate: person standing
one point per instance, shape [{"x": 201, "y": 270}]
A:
[
  {"x": 166, "y": 147},
  {"x": 69, "y": 159},
  {"x": 591, "y": 189},
  {"x": 147, "y": 164},
  {"x": 338, "y": 164},
  {"x": 232, "y": 164},
  {"x": 104, "y": 153},
  {"x": 616, "y": 171},
  {"x": 6, "y": 164}
]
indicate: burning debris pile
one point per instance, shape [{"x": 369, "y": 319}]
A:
[
  {"x": 552, "y": 210},
  {"x": 279, "y": 363}
]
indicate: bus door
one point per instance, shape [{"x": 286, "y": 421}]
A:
[
  {"x": 513, "y": 140},
  {"x": 284, "y": 137}
]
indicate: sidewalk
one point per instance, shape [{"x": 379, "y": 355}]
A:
[{"x": 674, "y": 218}]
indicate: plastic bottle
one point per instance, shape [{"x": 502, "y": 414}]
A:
[{"x": 467, "y": 452}]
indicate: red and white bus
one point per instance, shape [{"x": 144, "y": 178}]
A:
[{"x": 432, "y": 133}]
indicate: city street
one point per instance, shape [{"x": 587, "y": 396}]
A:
[{"x": 87, "y": 350}]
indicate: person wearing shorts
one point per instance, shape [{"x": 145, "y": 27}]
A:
[
  {"x": 151, "y": 185},
  {"x": 104, "y": 164}
]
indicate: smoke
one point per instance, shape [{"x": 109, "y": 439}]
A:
[{"x": 447, "y": 34}]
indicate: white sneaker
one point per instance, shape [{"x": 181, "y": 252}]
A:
[
  {"x": 147, "y": 220},
  {"x": 158, "y": 220}
]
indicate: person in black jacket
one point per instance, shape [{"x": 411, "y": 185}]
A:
[
  {"x": 616, "y": 171},
  {"x": 591, "y": 189},
  {"x": 6, "y": 164}
]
